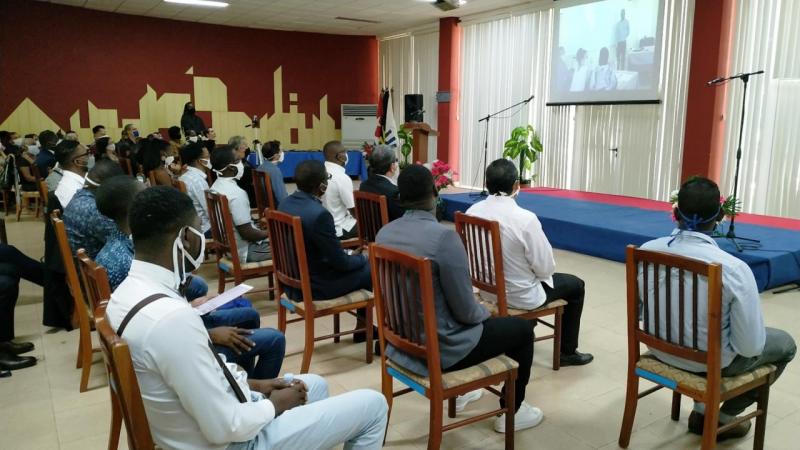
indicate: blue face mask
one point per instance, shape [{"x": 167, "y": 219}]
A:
[{"x": 136, "y": 133}]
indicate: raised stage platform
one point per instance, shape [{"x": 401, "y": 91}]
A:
[{"x": 602, "y": 225}]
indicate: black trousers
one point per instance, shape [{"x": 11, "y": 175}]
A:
[
  {"x": 9, "y": 291},
  {"x": 570, "y": 288},
  {"x": 510, "y": 336}
]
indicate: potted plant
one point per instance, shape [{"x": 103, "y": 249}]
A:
[
  {"x": 405, "y": 135},
  {"x": 525, "y": 146}
]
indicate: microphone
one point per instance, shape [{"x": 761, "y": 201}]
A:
[
  {"x": 716, "y": 81},
  {"x": 529, "y": 99}
]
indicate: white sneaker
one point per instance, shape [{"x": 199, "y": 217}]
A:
[
  {"x": 469, "y": 397},
  {"x": 527, "y": 417}
]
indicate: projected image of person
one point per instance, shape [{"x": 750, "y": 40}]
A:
[
  {"x": 603, "y": 77},
  {"x": 563, "y": 76},
  {"x": 580, "y": 78},
  {"x": 621, "y": 32}
]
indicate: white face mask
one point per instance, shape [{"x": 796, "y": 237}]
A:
[
  {"x": 280, "y": 158},
  {"x": 168, "y": 160},
  {"x": 346, "y": 158},
  {"x": 112, "y": 146},
  {"x": 89, "y": 181},
  {"x": 192, "y": 138},
  {"x": 239, "y": 170},
  {"x": 33, "y": 150},
  {"x": 18, "y": 142},
  {"x": 512, "y": 195},
  {"x": 206, "y": 163},
  {"x": 90, "y": 163},
  {"x": 180, "y": 256}
]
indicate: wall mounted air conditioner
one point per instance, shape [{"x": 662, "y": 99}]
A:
[{"x": 358, "y": 125}]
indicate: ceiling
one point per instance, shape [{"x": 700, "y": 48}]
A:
[{"x": 300, "y": 15}]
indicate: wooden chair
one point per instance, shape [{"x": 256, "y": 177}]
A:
[
  {"x": 403, "y": 293},
  {"x": 291, "y": 269},
  {"x": 85, "y": 322},
  {"x": 7, "y": 195},
  {"x": 25, "y": 198},
  {"x": 125, "y": 387},
  {"x": 3, "y": 233},
  {"x": 44, "y": 192},
  {"x": 229, "y": 267},
  {"x": 372, "y": 213},
  {"x": 262, "y": 185},
  {"x": 95, "y": 280},
  {"x": 481, "y": 238},
  {"x": 709, "y": 388}
]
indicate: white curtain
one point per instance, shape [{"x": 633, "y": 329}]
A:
[
  {"x": 410, "y": 65},
  {"x": 507, "y": 59},
  {"x": 766, "y": 36}
]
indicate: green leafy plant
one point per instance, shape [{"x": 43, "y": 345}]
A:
[
  {"x": 525, "y": 146},
  {"x": 406, "y": 148}
]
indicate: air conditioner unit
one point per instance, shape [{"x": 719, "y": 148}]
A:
[{"x": 358, "y": 125}]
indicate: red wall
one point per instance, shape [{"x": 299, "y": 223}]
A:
[{"x": 62, "y": 56}]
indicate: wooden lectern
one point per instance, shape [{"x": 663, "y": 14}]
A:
[{"x": 420, "y": 132}]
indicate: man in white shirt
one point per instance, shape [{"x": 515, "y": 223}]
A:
[
  {"x": 73, "y": 159},
  {"x": 216, "y": 406},
  {"x": 251, "y": 242},
  {"x": 339, "y": 198},
  {"x": 195, "y": 156},
  {"x": 531, "y": 280},
  {"x": 745, "y": 342}
]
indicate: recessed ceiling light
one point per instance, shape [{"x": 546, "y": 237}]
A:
[{"x": 208, "y": 3}]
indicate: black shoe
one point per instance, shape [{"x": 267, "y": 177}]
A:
[
  {"x": 377, "y": 349},
  {"x": 14, "y": 362},
  {"x": 362, "y": 336},
  {"x": 697, "y": 422},
  {"x": 15, "y": 348},
  {"x": 576, "y": 359}
]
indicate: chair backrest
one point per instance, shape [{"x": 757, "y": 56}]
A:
[
  {"x": 123, "y": 383},
  {"x": 3, "y": 234},
  {"x": 44, "y": 192},
  {"x": 219, "y": 215},
  {"x": 126, "y": 165},
  {"x": 289, "y": 253},
  {"x": 402, "y": 284},
  {"x": 95, "y": 280},
  {"x": 372, "y": 213},
  {"x": 35, "y": 172},
  {"x": 660, "y": 300},
  {"x": 179, "y": 185},
  {"x": 262, "y": 185},
  {"x": 69, "y": 268},
  {"x": 481, "y": 238}
]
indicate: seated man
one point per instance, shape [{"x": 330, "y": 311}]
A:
[
  {"x": 86, "y": 227},
  {"x": 339, "y": 196},
  {"x": 46, "y": 158},
  {"x": 14, "y": 265},
  {"x": 235, "y": 331},
  {"x": 530, "y": 276},
  {"x": 251, "y": 242},
  {"x": 273, "y": 155},
  {"x": 467, "y": 334},
  {"x": 195, "y": 157},
  {"x": 745, "y": 342},
  {"x": 73, "y": 160},
  {"x": 333, "y": 271},
  {"x": 383, "y": 178},
  {"x": 192, "y": 398}
]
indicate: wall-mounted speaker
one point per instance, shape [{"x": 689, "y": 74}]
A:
[{"x": 413, "y": 108}]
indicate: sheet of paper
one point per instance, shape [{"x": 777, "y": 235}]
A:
[{"x": 221, "y": 299}]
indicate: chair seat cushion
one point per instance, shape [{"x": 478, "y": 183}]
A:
[
  {"x": 494, "y": 366},
  {"x": 697, "y": 382},
  {"x": 321, "y": 305},
  {"x": 227, "y": 265},
  {"x": 492, "y": 306}
]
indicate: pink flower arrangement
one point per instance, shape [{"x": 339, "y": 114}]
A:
[{"x": 442, "y": 174}]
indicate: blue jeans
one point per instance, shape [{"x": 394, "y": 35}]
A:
[
  {"x": 356, "y": 419},
  {"x": 270, "y": 343},
  {"x": 197, "y": 287}
]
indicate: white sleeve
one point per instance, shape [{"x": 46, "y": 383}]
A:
[
  {"x": 346, "y": 192},
  {"x": 179, "y": 346},
  {"x": 748, "y": 334},
  {"x": 240, "y": 209},
  {"x": 538, "y": 250}
]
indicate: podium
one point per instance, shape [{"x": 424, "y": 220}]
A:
[{"x": 420, "y": 132}]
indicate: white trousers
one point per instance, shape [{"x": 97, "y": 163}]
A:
[{"x": 356, "y": 418}]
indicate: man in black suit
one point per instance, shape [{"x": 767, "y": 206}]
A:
[
  {"x": 333, "y": 271},
  {"x": 384, "y": 170}
]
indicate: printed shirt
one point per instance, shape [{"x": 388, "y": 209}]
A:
[
  {"x": 116, "y": 256},
  {"x": 86, "y": 227}
]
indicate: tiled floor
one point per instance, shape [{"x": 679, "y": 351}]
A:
[{"x": 42, "y": 408}]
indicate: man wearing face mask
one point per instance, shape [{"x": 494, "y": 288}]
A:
[
  {"x": 25, "y": 161},
  {"x": 338, "y": 198},
  {"x": 86, "y": 228},
  {"x": 530, "y": 276},
  {"x": 196, "y": 159},
  {"x": 105, "y": 148},
  {"x": 251, "y": 242},
  {"x": 273, "y": 155},
  {"x": 73, "y": 158},
  {"x": 190, "y": 121},
  {"x": 245, "y": 181},
  {"x": 383, "y": 178},
  {"x": 46, "y": 159}
]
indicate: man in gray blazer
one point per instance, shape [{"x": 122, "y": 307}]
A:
[{"x": 467, "y": 333}]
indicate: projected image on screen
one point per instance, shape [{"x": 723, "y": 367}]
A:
[{"x": 606, "y": 51}]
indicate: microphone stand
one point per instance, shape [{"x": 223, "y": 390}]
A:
[
  {"x": 486, "y": 119},
  {"x": 731, "y": 235}
]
